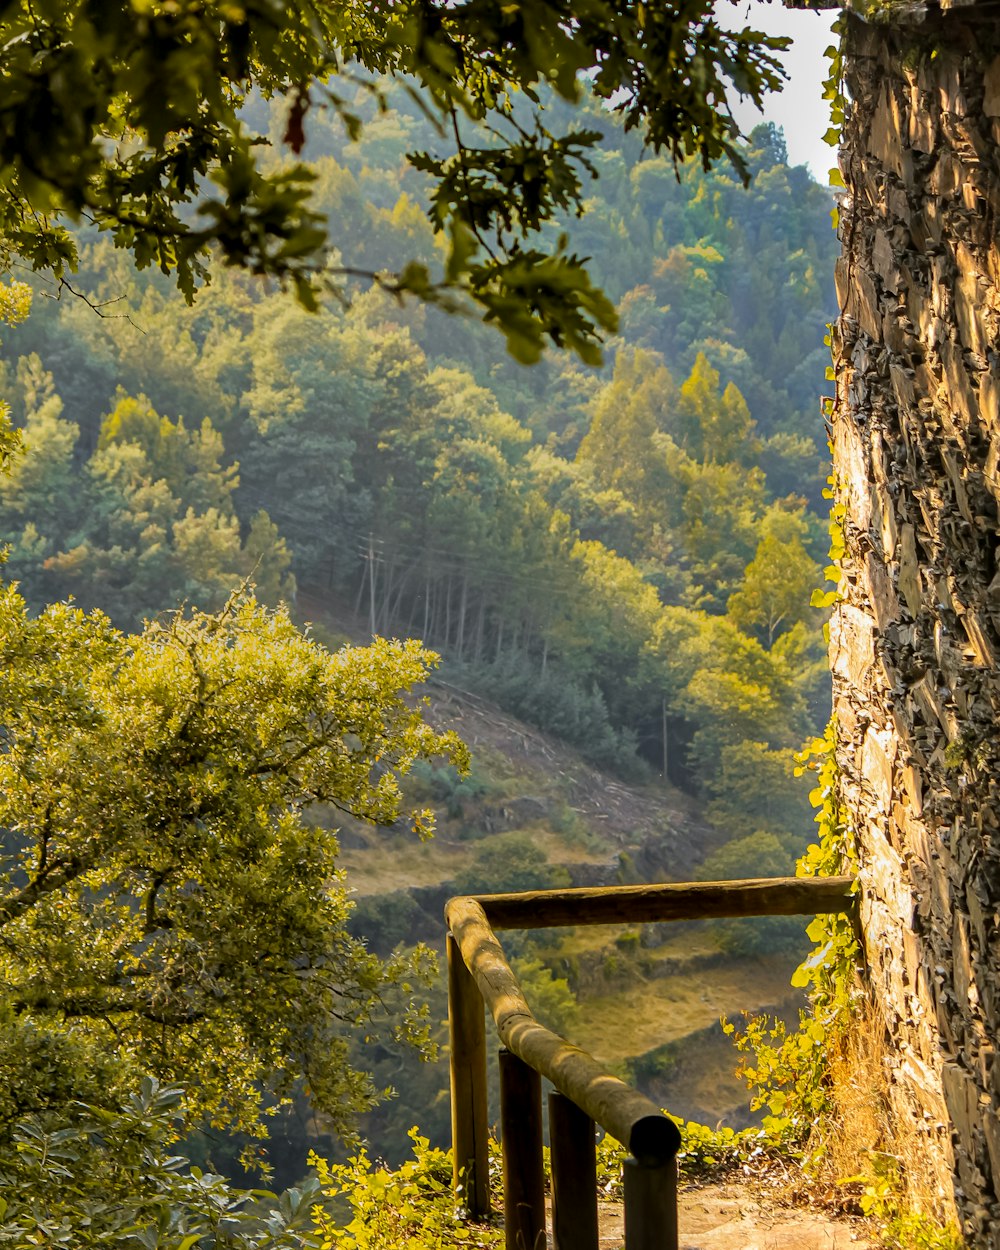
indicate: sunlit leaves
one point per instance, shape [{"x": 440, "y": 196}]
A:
[
  {"x": 162, "y": 886},
  {"x": 382, "y": 1209},
  {"x": 129, "y": 116}
]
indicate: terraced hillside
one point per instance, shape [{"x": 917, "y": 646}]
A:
[{"x": 647, "y": 1000}]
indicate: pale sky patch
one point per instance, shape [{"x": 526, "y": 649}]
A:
[{"x": 799, "y": 109}]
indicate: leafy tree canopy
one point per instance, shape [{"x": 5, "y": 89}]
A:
[
  {"x": 113, "y": 1179},
  {"x": 131, "y": 116},
  {"x": 163, "y": 896}
]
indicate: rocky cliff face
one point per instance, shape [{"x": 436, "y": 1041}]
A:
[{"x": 916, "y": 641}]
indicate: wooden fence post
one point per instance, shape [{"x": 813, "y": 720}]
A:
[
  {"x": 574, "y": 1175},
  {"x": 469, "y": 1109},
  {"x": 521, "y": 1139},
  {"x": 650, "y": 1205}
]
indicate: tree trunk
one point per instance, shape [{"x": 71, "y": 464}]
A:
[
  {"x": 665, "y": 730},
  {"x": 436, "y": 629},
  {"x": 371, "y": 584},
  {"x": 388, "y": 589},
  {"x": 463, "y": 607},
  {"x": 394, "y": 610},
  {"x": 915, "y": 641},
  {"x": 480, "y": 628}
]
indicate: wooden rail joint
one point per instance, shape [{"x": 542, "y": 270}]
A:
[{"x": 627, "y": 1115}]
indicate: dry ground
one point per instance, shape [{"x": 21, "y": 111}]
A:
[{"x": 735, "y": 1217}]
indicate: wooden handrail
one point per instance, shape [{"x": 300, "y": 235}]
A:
[
  {"x": 478, "y": 972},
  {"x": 650, "y": 904},
  {"x": 630, "y": 1117}
]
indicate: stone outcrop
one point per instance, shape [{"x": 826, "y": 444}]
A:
[{"x": 915, "y": 642}]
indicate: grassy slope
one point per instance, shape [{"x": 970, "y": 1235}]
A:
[{"x": 650, "y": 1003}]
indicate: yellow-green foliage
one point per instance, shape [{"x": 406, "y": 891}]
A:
[
  {"x": 373, "y": 1208},
  {"x": 164, "y": 898},
  {"x": 15, "y": 304},
  {"x": 882, "y": 1185},
  {"x": 704, "y": 1151},
  {"x": 788, "y": 1070}
]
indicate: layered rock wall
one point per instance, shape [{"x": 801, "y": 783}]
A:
[{"x": 915, "y": 644}]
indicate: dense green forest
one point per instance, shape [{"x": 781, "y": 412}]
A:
[
  {"x": 622, "y": 556},
  {"x": 215, "y": 895}
]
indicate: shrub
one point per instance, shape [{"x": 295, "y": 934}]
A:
[
  {"x": 378, "y": 1209},
  {"x": 759, "y": 855},
  {"x": 510, "y": 861},
  {"x": 102, "y": 1178}
]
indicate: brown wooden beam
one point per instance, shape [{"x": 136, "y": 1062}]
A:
[
  {"x": 574, "y": 1176},
  {"x": 650, "y": 904},
  {"x": 650, "y": 1205},
  {"x": 630, "y": 1117},
  {"x": 469, "y": 1108},
  {"x": 521, "y": 1143}
]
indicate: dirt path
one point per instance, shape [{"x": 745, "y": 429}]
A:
[{"x": 730, "y": 1217}]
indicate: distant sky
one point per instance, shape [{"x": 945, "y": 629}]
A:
[{"x": 799, "y": 109}]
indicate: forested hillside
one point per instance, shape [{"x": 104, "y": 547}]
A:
[
  {"x": 622, "y": 556},
  {"x": 619, "y": 555}
]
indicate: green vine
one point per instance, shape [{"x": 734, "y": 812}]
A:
[
  {"x": 787, "y": 1069},
  {"x": 826, "y": 597},
  {"x": 835, "y": 94}
]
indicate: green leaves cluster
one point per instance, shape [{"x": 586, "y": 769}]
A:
[
  {"x": 163, "y": 894},
  {"x": 131, "y": 117},
  {"x": 111, "y": 1178},
  {"x": 704, "y": 1152},
  {"x": 375, "y": 1208}
]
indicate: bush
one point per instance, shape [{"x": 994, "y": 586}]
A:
[
  {"x": 444, "y": 784},
  {"x": 757, "y": 788},
  {"x": 412, "y": 1206},
  {"x": 704, "y": 1152},
  {"x": 510, "y": 862},
  {"x": 759, "y": 855},
  {"x": 549, "y": 996},
  {"x": 110, "y": 1178}
]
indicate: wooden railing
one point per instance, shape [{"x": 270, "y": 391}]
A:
[{"x": 586, "y": 1094}]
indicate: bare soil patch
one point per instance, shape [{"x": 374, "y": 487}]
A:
[{"x": 737, "y": 1216}]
